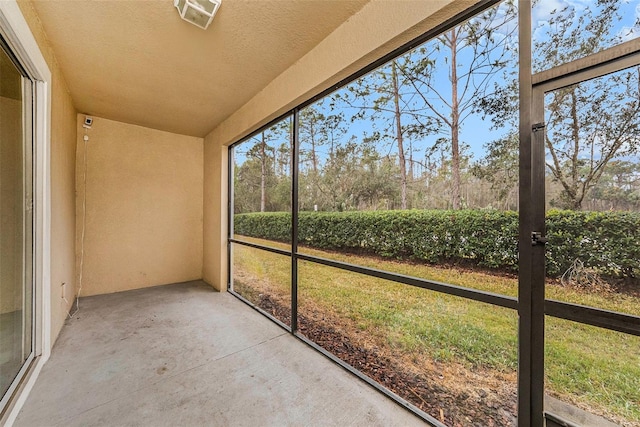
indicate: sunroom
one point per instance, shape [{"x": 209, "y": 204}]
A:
[{"x": 354, "y": 212}]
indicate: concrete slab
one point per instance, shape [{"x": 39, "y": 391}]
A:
[{"x": 185, "y": 355}]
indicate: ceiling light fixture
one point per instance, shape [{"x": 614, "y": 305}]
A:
[{"x": 197, "y": 12}]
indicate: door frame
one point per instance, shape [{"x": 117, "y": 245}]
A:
[
  {"x": 18, "y": 36},
  {"x": 533, "y": 304}
]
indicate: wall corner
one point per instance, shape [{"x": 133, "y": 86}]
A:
[{"x": 214, "y": 266}]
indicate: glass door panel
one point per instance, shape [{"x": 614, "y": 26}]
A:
[{"x": 16, "y": 225}]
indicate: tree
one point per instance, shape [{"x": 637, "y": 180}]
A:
[
  {"x": 590, "y": 124},
  {"x": 385, "y": 98},
  {"x": 618, "y": 188},
  {"x": 312, "y": 135},
  {"x": 319, "y": 126},
  {"x": 261, "y": 171},
  {"x": 372, "y": 187},
  {"x": 251, "y": 179},
  {"x": 499, "y": 167},
  {"x": 397, "y": 118},
  {"x": 473, "y": 53},
  {"x": 283, "y": 160},
  {"x": 595, "y": 122},
  {"x": 337, "y": 183}
]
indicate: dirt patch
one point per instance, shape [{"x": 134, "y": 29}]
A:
[{"x": 427, "y": 390}]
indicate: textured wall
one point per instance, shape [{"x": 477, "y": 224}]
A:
[{"x": 143, "y": 224}]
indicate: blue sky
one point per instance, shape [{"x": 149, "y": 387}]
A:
[
  {"x": 627, "y": 28},
  {"x": 474, "y": 131}
]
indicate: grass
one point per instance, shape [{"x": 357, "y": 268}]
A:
[{"x": 596, "y": 369}]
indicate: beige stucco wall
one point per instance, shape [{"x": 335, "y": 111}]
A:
[
  {"x": 143, "y": 224},
  {"x": 378, "y": 28},
  {"x": 63, "y": 151},
  {"x": 214, "y": 269}
]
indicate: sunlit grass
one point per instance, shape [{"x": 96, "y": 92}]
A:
[
  {"x": 596, "y": 369},
  {"x": 585, "y": 364}
]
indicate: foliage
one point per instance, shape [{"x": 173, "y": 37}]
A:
[
  {"x": 585, "y": 365},
  {"x": 407, "y": 135},
  {"x": 260, "y": 181},
  {"x": 476, "y": 54},
  {"x": 500, "y": 168},
  {"x": 617, "y": 189},
  {"x": 382, "y": 98},
  {"x": 608, "y": 242},
  {"x": 588, "y": 125},
  {"x": 268, "y": 225}
]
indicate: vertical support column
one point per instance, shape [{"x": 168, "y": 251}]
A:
[
  {"x": 537, "y": 132},
  {"x": 294, "y": 220},
  {"x": 531, "y": 259},
  {"x": 216, "y": 205},
  {"x": 230, "y": 174}
]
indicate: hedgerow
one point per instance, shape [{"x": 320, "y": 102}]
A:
[{"x": 608, "y": 242}]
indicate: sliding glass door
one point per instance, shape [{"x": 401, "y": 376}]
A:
[{"x": 16, "y": 224}]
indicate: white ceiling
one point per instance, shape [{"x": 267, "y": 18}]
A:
[{"x": 137, "y": 62}]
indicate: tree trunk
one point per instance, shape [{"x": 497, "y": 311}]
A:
[
  {"x": 312, "y": 135},
  {"x": 401, "y": 158},
  {"x": 263, "y": 173},
  {"x": 576, "y": 202},
  {"x": 411, "y": 173},
  {"x": 455, "y": 125}
]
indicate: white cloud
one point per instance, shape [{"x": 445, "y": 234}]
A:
[
  {"x": 627, "y": 29},
  {"x": 541, "y": 14},
  {"x": 628, "y": 33},
  {"x": 544, "y": 8},
  {"x": 631, "y": 30}
]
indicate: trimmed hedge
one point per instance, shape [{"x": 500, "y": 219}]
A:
[{"x": 606, "y": 241}]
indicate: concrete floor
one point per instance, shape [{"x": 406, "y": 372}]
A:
[{"x": 183, "y": 355}]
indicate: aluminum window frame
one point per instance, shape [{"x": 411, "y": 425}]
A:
[{"x": 28, "y": 255}]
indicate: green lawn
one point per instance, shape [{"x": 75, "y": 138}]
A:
[{"x": 596, "y": 369}]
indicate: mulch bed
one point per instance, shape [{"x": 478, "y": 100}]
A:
[{"x": 475, "y": 408}]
